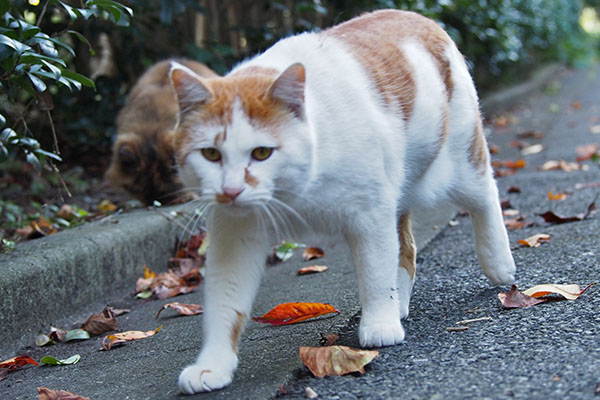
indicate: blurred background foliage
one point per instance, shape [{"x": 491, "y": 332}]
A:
[
  {"x": 49, "y": 107},
  {"x": 502, "y": 39}
]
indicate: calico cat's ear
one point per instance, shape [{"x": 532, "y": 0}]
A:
[
  {"x": 289, "y": 88},
  {"x": 188, "y": 86}
]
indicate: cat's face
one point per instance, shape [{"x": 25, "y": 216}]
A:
[{"x": 241, "y": 142}]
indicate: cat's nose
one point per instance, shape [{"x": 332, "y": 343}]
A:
[{"x": 232, "y": 193}]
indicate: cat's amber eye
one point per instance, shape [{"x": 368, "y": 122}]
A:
[
  {"x": 211, "y": 154},
  {"x": 262, "y": 153}
]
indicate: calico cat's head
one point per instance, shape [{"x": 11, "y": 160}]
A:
[
  {"x": 143, "y": 161},
  {"x": 242, "y": 141}
]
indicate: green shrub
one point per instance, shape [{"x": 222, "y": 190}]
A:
[{"x": 35, "y": 63}]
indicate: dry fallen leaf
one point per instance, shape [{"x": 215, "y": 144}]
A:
[
  {"x": 533, "y": 149},
  {"x": 48, "y": 394},
  {"x": 17, "y": 362},
  {"x": 106, "y": 206},
  {"x": 329, "y": 339},
  {"x": 535, "y": 240},
  {"x": 183, "y": 278},
  {"x": 585, "y": 152},
  {"x": 509, "y": 164},
  {"x": 515, "y": 299},
  {"x": 102, "y": 322},
  {"x": 291, "y": 313},
  {"x": 38, "y": 228},
  {"x": 539, "y": 294},
  {"x": 310, "y": 253},
  {"x": 336, "y": 360},
  {"x": 562, "y": 165},
  {"x": 111, "y": 340},
  {"x": 556, "y": 197},
  {"x": 531, "y": 135},
  {"x": 312, "y": 269},
  {"x": 517, "y": 223},
  {"x": 569, "y": 292},
  {"x": 514, "y": 189},
  {"x": 183, "y": 309}
]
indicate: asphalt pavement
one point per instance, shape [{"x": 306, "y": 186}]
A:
[{"x": 550, "y": 350}]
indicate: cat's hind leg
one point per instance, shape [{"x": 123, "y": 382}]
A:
[
  {"x": 373, "y": 240},
  {"x": 408, "y": 263},
  {"x": 479, "y": 195}
]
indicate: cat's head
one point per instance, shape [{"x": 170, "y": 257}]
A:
[{"x": 243, "y": 140}]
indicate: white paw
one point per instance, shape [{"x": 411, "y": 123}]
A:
[
  {"x": 205, "y": 377},
  {"x": 503, "y": 274},
  {"x": 380, "y": 334}
]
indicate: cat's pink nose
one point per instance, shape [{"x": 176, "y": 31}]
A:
[{"x": 232, "y": 193}]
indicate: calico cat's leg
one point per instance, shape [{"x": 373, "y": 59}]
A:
[
  {"x": 373, "y": 241},
  {"x": 491, "y": 239},
  {"x": 234, "y": 266},
  {"x": 408, "y": 263}
]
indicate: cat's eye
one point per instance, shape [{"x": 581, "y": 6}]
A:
[
  {"x": 262, "y": 153},
  {"x": 211, "y": 154}
]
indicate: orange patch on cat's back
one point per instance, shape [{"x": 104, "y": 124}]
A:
[{"x": 375, "y": 39}]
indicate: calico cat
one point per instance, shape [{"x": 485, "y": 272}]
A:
[
  {"x": 143, "y": 161},
  {"x": 341, "y": 132}
]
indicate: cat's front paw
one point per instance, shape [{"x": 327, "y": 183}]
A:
[
  {"x": 380, "y": 334},
  {"x": 206, "y": 377}
]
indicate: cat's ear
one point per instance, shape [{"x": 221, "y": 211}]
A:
[
  {"x": 189, "y": 88},
  {"x": 289, "y": 88}
]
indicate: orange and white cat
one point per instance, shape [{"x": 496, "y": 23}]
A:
[{"x": 341, "y": 132}]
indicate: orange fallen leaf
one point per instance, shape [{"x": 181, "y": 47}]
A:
[
  {"x": 535, "y": 240},
  {"x": 576, "y": 105},
  {"x": 291, "y": 313},
  {"x": 310, "y": 253},
  {"x": 48, "y": 394},
  {"x": 312, "y": 269},
  {"x": 17, "y": 362},
  {"x": 111, "y": 340},
  {"x": 184, "y": 309},
  {"x": 336, "y": 360},
  {"x": 509, "y": 164},
  {"x": 556, "y": 197}
]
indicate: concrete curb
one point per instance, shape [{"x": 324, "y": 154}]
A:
[{"x": 46, "y": 279}]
